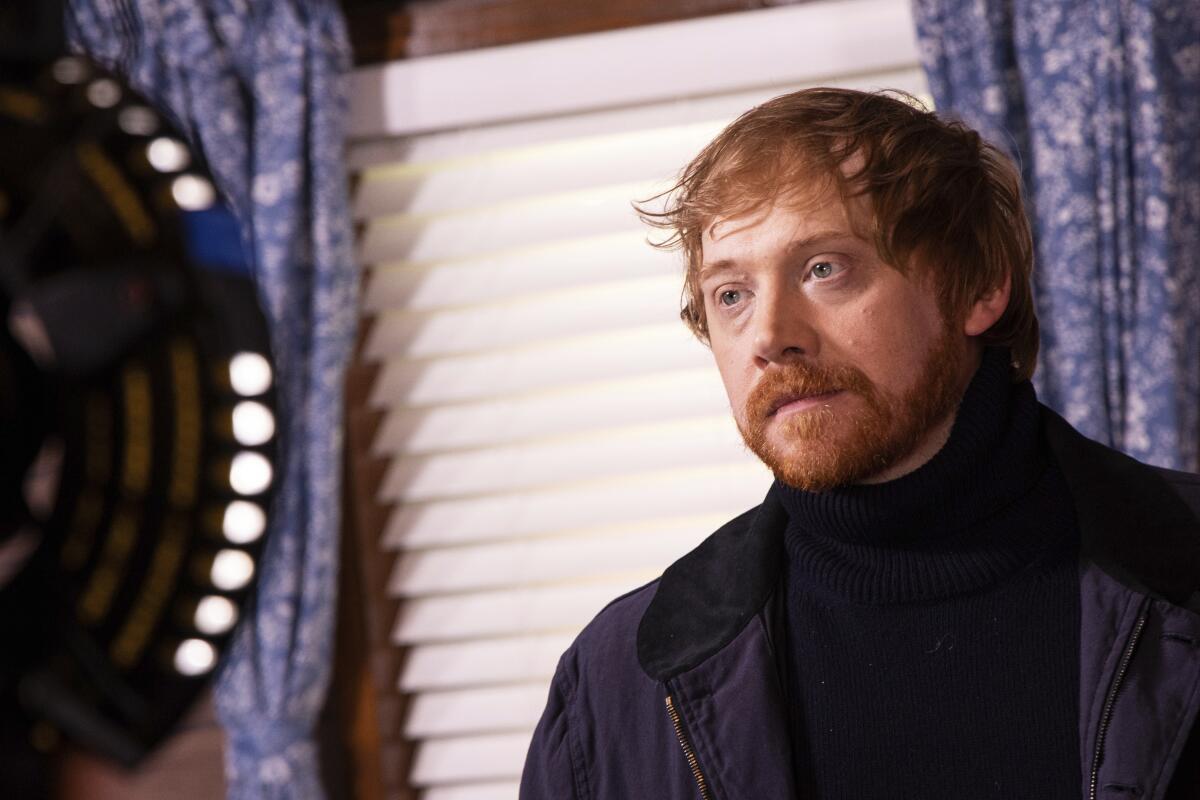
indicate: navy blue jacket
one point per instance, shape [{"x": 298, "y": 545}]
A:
[{"x": 675, "y": 691}]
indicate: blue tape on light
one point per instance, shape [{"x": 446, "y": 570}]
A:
[{"x": 214, "y": 241}]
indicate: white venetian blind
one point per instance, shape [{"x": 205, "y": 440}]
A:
[{"x": 553, "y": 437}]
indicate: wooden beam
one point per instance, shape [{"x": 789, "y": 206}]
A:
[{"x": 387, "y": 31}]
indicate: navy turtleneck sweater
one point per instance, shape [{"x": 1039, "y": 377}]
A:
[{"x": 933, "y": 620}]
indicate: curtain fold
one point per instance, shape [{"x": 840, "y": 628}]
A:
[
  {"x": 1100, "y": 104},
  {"x": 256, "y": 85}
]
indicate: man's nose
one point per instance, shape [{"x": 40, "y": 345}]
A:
[{"x": 783, "y": 330}]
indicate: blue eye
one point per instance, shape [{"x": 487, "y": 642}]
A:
[
  {"x": 729, "y": 297},
  {"x": 823, "y": 269}
]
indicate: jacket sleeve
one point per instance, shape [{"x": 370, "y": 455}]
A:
[
  {"x": 551, "y": 769},
  {"x": 1185, "y": 784}
]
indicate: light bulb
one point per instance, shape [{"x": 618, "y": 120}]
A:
[
  {"x": 194, "y": 657},
  {"x": 253, "y": 423},
  {"x": 193, "y": 193},
  {"x": 231, "y": 570},
  {"x": 250, "y": 473},
  {"x": 168, "y": 155},
  {"x": 70, "y": 70},
  {"x": 137, "y": 121},
  {"x": 215, "y": 615},
  {"x": 244, "y": 522},
  {"x": 249, "y": 374},
  {"x": 103, "y": 93}
]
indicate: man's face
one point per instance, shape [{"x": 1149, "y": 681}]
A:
[{"x": 839, "y": 368}]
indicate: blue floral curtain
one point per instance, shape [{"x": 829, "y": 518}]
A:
[
  {"x": 1100, "y": 102},
  {"x": 256, "y": 86}
]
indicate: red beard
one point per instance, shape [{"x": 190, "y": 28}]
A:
[{"x": 838, "y": 448}]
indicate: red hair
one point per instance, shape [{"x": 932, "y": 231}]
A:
[{"x": 942, "y": 200}]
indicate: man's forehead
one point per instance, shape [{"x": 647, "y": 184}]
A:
[{"x": 825, "y": 212}]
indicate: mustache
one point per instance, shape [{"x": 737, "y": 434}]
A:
[{"x": 794, "y": 381}]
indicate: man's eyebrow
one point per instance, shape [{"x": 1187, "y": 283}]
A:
[
  {"x": 820, "y": 237},
  {"x": 716, "y": 266},
  {"x": 725, "y": 264}
]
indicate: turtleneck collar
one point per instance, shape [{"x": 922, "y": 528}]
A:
[{"x": 945, "y": 527}]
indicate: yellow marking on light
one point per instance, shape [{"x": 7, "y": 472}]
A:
[
  {"x": 22, "y": 105},
  {"x": 122, "y": 197},
  {"x": 185, "y": 474},
  {"x": 81, "y": 533},
  {"x": 98, "y": 595},
  {"x": 82, "y": 530},
  {"x": 135, "y": 477},
  {"x": 129, "y": 646}
]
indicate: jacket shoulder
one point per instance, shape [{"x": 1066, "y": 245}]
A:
[
  {"x": 614, "y": 630},
  {"x": 594, "y": 672},
  {"x": 1138, "y": 523},
  {"x": 1186, "y": 485}
]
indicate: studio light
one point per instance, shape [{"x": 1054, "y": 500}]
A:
[{"x": 139, "y": 418}]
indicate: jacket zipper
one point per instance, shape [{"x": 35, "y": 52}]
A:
[
  {"x": 688, "y": 752},
  {"x": 1111, "y": 699}
]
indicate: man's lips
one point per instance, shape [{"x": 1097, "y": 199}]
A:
[{"x": 793, "y": 403}]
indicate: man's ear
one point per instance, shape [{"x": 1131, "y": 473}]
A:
[{"x": 988, "y": 308}]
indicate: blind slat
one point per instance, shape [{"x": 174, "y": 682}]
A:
[
  {"x": 593, "y": 406},
  {"x": 471, "y": 711},
  {"x": 499, "y": 277},
  {"x": 534, "y": 561},
  {"x": 563, "y": 168},
  {"x": 498, "y": 790},
  {"x": 550, "y": 365},
  {"x": 589, "y": 457},
  {"x": 480, "y": 662},
  {"x": 452, "y": 145},
  {"x": 508, "y": 612},
  {"x": 572, "y": 312},
  {"x": 719, "y": 489},
  {"x": 469, "y": 758},
  {"x": 600, "y": 211}
]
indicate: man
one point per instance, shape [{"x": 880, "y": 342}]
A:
[{"x": 948, "y": 592}]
